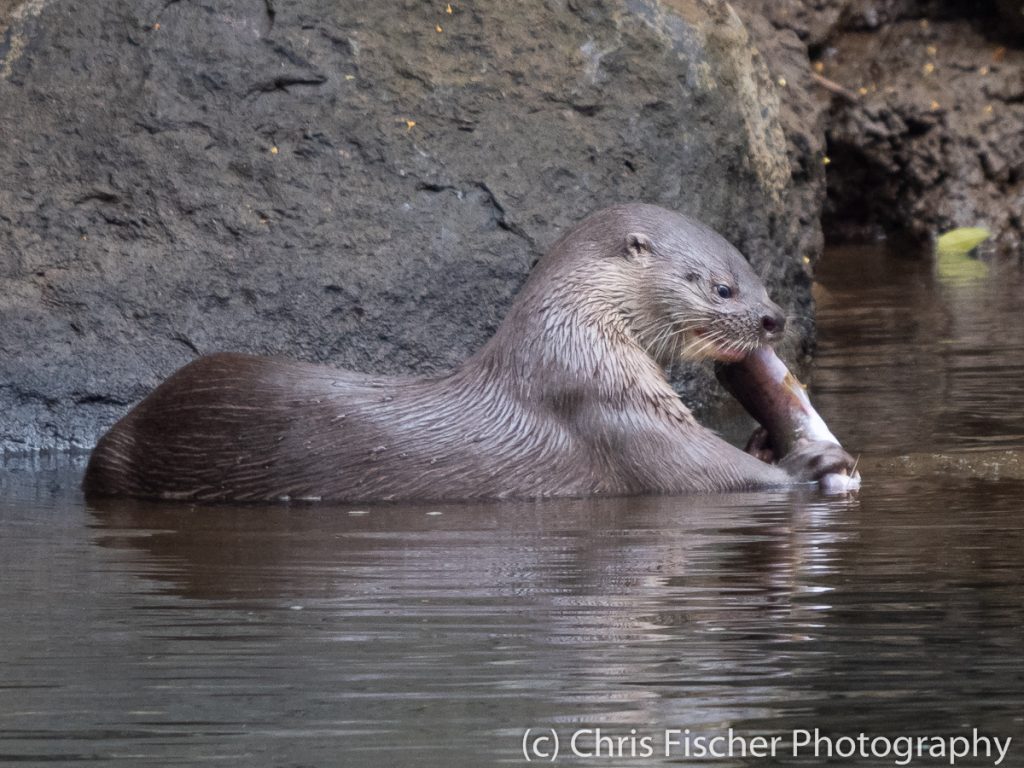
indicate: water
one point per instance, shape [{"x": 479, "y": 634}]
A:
[{"x": 137, "y": 634}]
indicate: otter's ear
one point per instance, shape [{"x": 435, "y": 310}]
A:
[{"x": 638, "y": 245}]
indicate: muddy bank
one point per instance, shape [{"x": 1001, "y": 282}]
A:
[
  {"x": 925, "y": 114},
  {"x": 934, "y": 138}
]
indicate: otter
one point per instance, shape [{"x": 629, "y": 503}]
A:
[{"x": 568, "y": 398}]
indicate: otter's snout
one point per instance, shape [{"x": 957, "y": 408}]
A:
[{"x": 773, "y": 323}]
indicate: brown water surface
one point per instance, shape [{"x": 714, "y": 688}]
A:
[{"x": 152, "y": 634}]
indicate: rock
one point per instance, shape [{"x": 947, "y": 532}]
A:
[
  {"x": 359, "y": 184},
  {"x": 812, "y": 21},
  {"x": 803, "y": 120}
]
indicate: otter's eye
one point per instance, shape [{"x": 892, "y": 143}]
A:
[{"x": 724, "y": 291}]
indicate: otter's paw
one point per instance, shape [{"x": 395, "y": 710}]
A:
[{"x": 812, "y": 460}]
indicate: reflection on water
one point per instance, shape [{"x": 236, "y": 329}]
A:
[
  {"x": 911, "y": 364},
  {"x": 140, "y": 634}
]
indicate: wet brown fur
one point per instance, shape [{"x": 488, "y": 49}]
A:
[{"x": 569, "y": 398}]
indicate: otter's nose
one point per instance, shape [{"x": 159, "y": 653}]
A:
[{"x": 773, "y": 322}]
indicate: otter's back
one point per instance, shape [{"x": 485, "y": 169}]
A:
[{"x": 226, "y": 422}]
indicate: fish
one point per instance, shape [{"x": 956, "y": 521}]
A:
[{"x": 778, "y": 401}]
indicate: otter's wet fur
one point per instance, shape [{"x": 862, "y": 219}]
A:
[{"x": 569, "y": 398}]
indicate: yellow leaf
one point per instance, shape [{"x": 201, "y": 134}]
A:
[
  {"x": 953, "y": 263},
  {"x": 962, "y": 240}
]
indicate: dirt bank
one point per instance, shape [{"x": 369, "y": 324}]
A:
[{"x": 925, "y": 114}]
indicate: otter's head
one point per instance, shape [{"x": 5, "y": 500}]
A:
[{"x": 694, "y": 296}]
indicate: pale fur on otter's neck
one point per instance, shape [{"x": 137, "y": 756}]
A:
[{"x": 569, "y": 335}]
